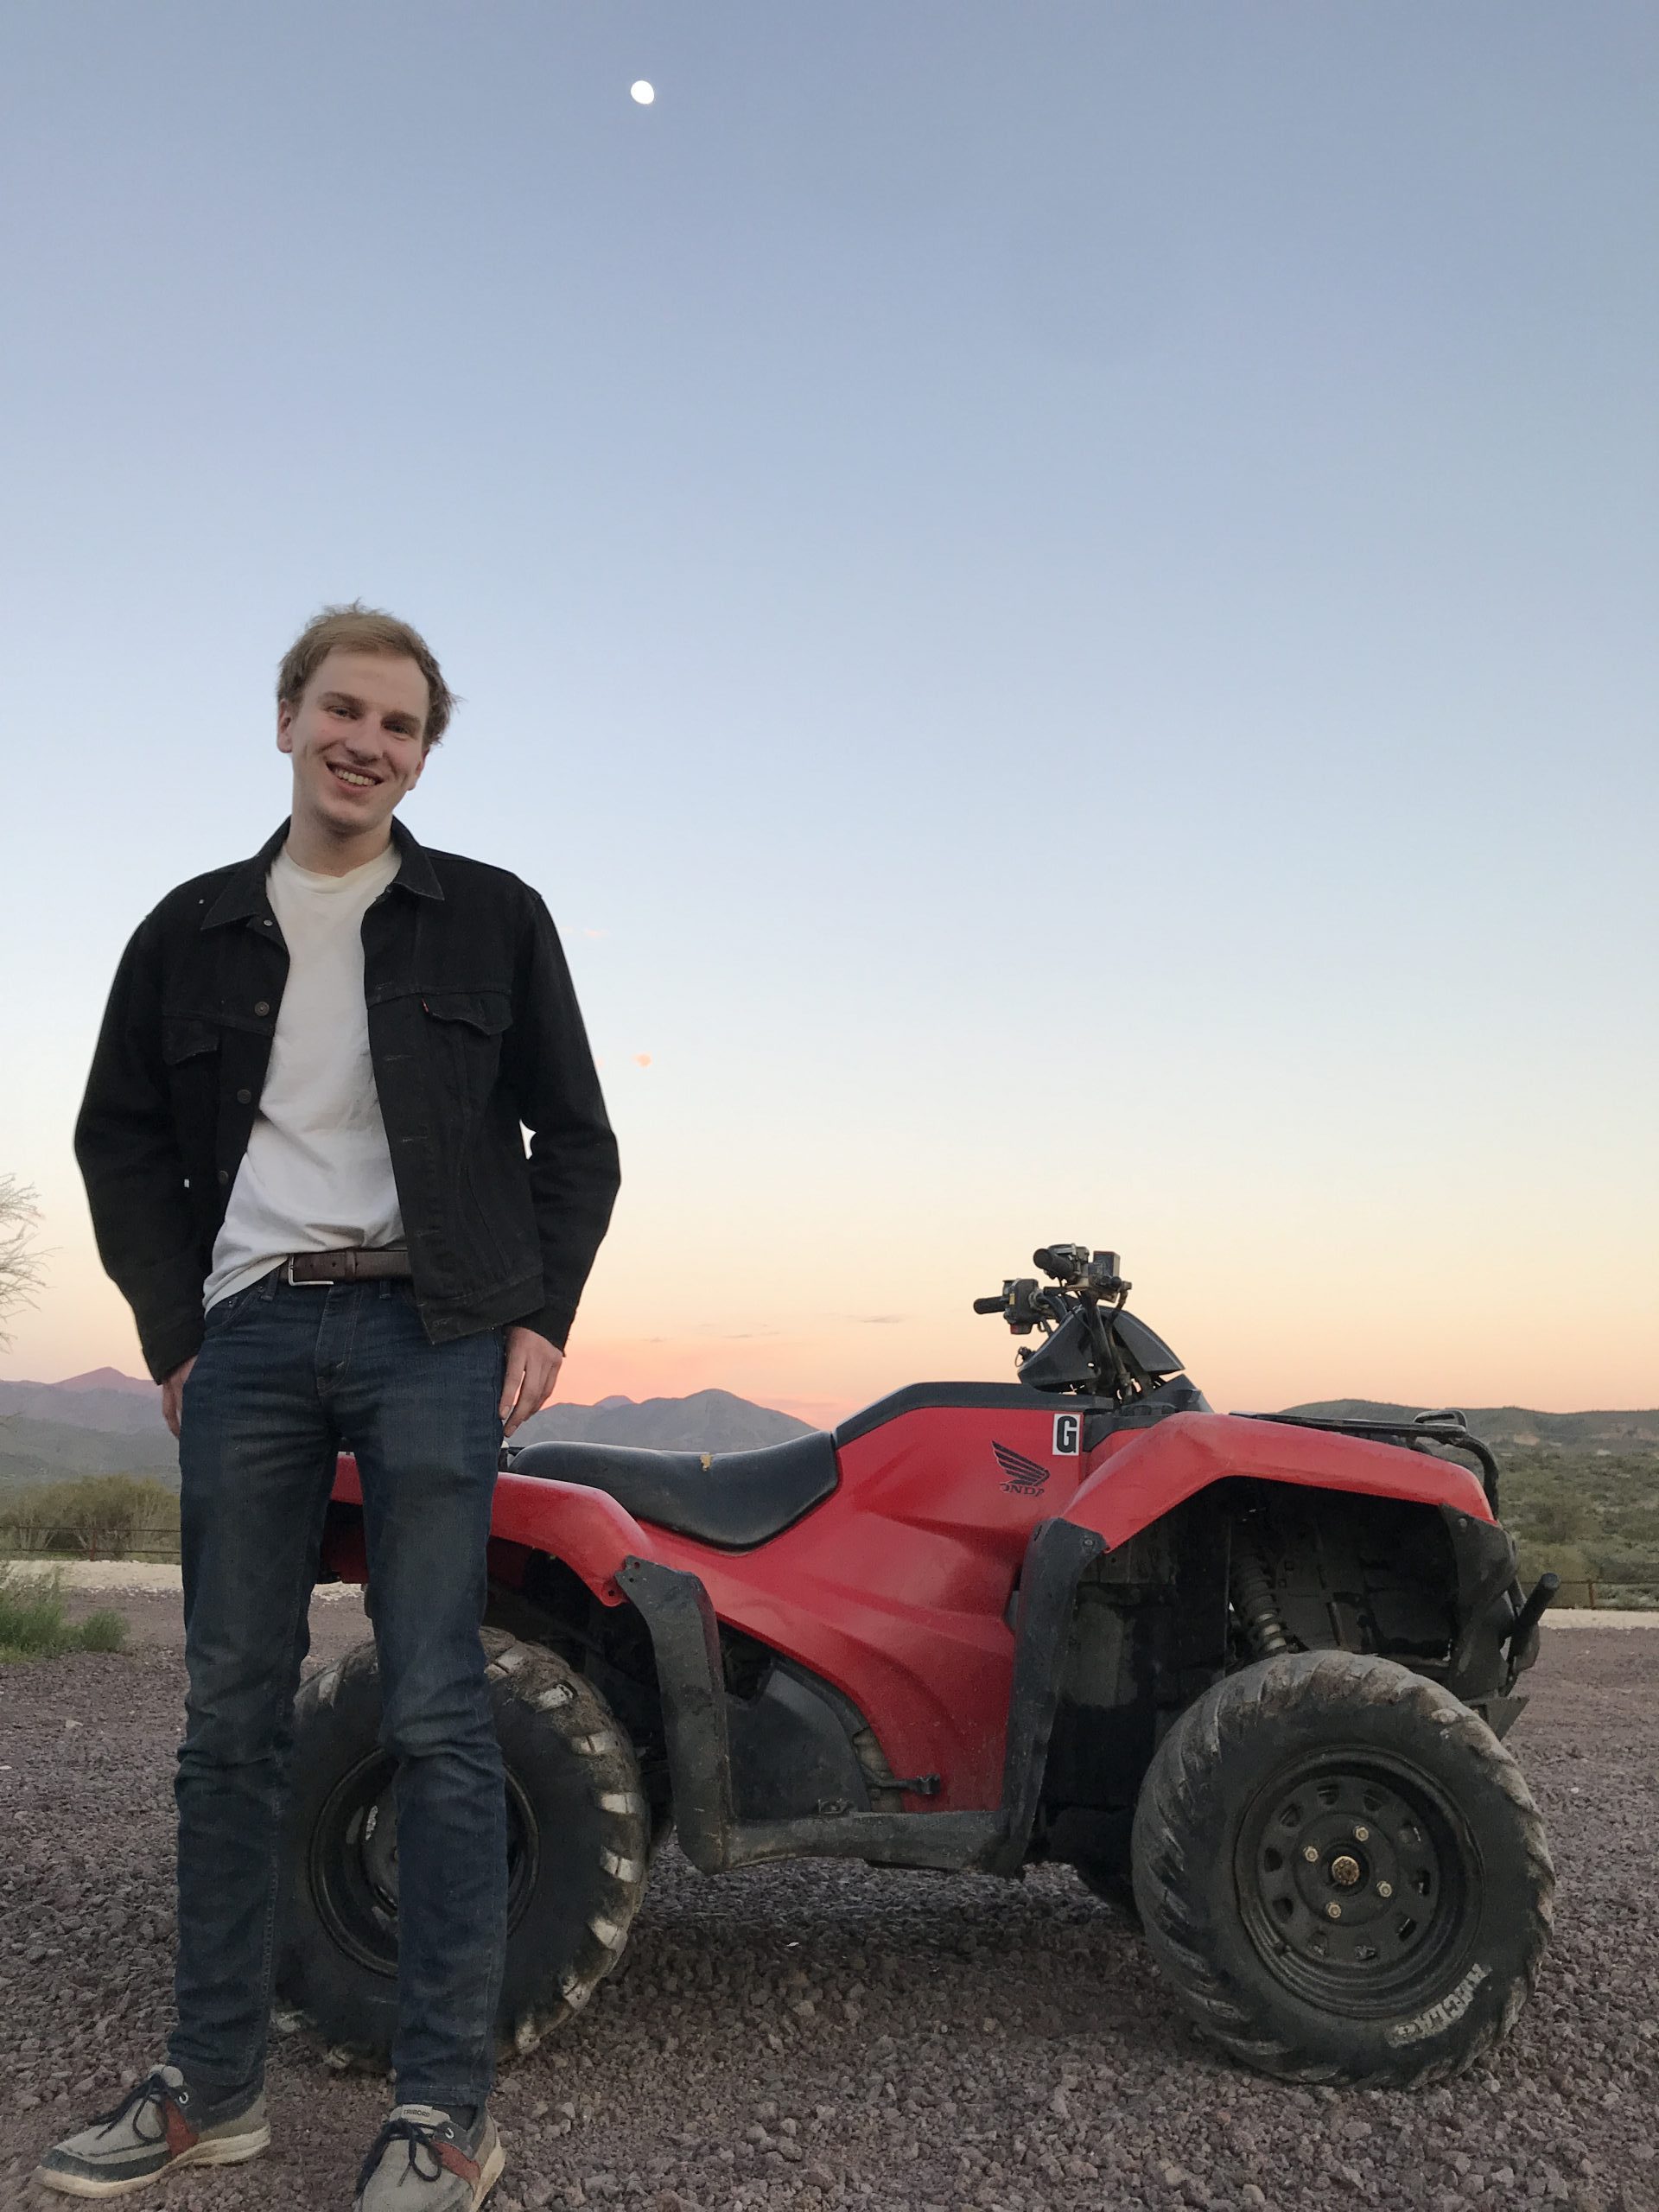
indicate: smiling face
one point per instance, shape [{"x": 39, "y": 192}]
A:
[{"x": 356, "y": 736}]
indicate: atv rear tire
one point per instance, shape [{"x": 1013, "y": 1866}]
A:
[
  {"x": 1341, "y": 1873},
  {"x": 577, "y": 1830}
]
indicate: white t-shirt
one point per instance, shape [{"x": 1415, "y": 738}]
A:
[{"x": 317, "y": 1173}]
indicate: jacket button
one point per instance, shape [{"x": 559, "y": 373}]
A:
[
  {"x": 224, "y": 1174},
  {"x": 263, "y": 1007},
  {"x": 245, "y": 1098}
]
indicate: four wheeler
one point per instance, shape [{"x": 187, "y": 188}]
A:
[{"x": 1251, "y": 1670}]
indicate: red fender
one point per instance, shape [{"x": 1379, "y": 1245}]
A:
[
  {"x": 594, "y": 1534},
  {"x": 1138, "y": 1475}
]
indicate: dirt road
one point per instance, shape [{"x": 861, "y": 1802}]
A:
[{"x": 815, "y": 2036}]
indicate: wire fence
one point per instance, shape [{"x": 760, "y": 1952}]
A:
[
  {"x": 1613, "y": 1592},
  {"x": 62, "y": 1544}
]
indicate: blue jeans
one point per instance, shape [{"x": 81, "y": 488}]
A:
[{"x": 289, "y": 1374}]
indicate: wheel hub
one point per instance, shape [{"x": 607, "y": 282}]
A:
[
  {"x": 1350, "y": 1879},
  {"x": 352, "y": 1862}
]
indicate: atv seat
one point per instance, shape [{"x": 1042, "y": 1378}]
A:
[{"x": 732, "y": 1499}]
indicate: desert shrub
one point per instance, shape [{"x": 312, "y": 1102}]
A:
[
  {"x": 1576, "y": 1569},
  {"x": 104, "y": 1632},
  {"x": 31, "y": 1614},
  {"x": 99, "y": 1516},
  {"x": 33, "y": 1625},
  {"x": 1590, "y": 1515}
]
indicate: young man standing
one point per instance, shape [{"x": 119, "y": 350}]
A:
[{"x": 302, "y": 1143}]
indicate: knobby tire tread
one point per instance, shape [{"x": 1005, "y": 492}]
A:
[
  {"x": 1176, "y": 1916},
  {"x": 568, "y": 1702}
]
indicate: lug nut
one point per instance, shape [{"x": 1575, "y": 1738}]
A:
[
  {"x": 1385, "y": 1889},
  {"x": 1309, "y": 1852},
  {"x": 1362, "y": 1835},
  {"x": 1334, "y": 1912}
]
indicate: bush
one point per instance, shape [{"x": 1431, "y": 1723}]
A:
[
  {"x": 104, "y": 1632},
  {"x": 31, "y": 1614},
  {"x": 32, "y": 1624},
  {"x": 101, "y": 1516},
  {"x": 1575, "y": 1568},
  {"x": 1593, "y": 1515}
]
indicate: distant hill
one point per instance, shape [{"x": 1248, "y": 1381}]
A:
[
  {"x": 54, "y": 1451},
  {"x": 120, "y": 1403},
  {"x": 709, "y": 1421},
  {"x": 51, "y": 1432},
  {"x": 1510, "y": 1424},
  {"x": 105, "y": 1378}
]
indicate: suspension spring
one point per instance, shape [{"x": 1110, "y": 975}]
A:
[{"x": 1252, "y": 1596}]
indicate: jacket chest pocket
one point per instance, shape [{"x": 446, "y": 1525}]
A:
[
  {"x": 190, "y": 1052},
  {"x": 186, "y": 1037},
  {"x": 464, "y": 1030}
]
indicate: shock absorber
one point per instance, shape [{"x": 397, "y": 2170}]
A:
[{"x": 1252, "y": 1596}]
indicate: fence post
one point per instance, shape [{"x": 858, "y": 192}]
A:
[{"x": 1592, "y": 1596}]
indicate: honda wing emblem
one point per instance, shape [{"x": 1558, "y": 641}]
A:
[{"x": 1024, "y": 1476}]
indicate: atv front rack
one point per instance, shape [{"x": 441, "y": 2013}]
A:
[{"x": 1418, "y": 1435}]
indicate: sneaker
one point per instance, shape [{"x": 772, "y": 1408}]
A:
[
  {"x": 422, "y": 2162},
  {"x": 157, "y": 2126}
]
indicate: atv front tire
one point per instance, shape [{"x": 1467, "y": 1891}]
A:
[
  {"x": 1109, "y": 1876},
  {"x": 576, "y": 1824},
  {"x": 1341, "y": 1873}
]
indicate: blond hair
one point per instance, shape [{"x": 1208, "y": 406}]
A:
[{"x": 357, "y": 628}]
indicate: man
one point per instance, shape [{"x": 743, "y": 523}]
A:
[{"x": 302, "y": 1142}]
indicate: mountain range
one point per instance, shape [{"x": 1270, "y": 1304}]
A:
[
  {"x": 104, "y": 1422},
  {"x": 1509, "y": 1424}
]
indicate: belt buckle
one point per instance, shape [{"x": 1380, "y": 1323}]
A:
[{"x": 318, "y": 1282}]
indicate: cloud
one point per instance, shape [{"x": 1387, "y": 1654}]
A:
[
  {"x": 875, "y": 1320},
  {"x": 596, "y": 932},
  {"x": 642, "y": 1059}
]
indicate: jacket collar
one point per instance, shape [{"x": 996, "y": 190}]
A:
[{"x": 244, "y": 893}]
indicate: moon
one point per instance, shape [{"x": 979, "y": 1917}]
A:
[{"x": 643, "y": 92}]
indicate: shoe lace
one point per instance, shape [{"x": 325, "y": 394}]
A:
[
  {"x": 152, "y": 2090},
  {"x": 417, "y": 2135}
]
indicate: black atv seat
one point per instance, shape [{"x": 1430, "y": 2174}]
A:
[{"x": 733, "y": 1499}]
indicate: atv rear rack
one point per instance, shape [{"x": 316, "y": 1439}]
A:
[{"x": 1420, "y": 1434}]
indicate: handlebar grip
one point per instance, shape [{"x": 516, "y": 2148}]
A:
[{"x": 989, "y": 1304}]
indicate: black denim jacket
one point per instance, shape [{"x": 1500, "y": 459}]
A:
[{"x": 474, "y": 1029}]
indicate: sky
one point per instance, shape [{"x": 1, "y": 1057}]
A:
[{"x": 1059, "y": 599}]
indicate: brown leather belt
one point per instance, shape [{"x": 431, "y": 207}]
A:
[{"x": 356, "y": 1263}]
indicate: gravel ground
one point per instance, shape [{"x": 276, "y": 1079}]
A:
[{"x": 816, "y": 2036}]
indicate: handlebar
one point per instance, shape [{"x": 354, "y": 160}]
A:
[{"x": 1081, "y": 1278}]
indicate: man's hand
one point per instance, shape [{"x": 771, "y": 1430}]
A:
[
  {"x": 173, "y": 1394},
  {"x": 533, "y": 1367}
]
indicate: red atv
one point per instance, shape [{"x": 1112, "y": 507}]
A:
[{"x": 1245, "y": 1672}]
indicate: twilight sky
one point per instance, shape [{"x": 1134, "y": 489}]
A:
[{"x": 1060, "y": 599}]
